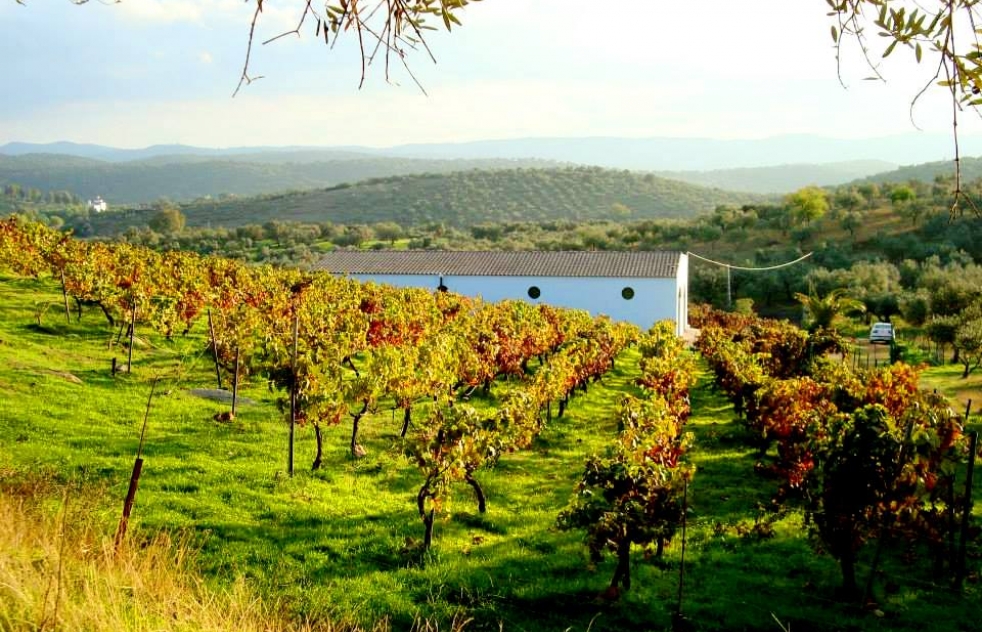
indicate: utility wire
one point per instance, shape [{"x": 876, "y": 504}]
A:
[
  {"x": 733, "y": 267},
  {"x": 729, "y": 283}
]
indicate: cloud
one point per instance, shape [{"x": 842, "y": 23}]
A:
[{"x": 205, "y": 57}]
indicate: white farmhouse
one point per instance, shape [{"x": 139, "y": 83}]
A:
[
  {"x": 98, "y": 205},
  {"x": 639, "y": 287}
]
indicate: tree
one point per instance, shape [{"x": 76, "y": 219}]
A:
[
  {"x": 848, "y": 199},
  {"x": 388, "y": 231},
  {"x": 823, "y": 312},
  {"x": 168, "y": 219},
  {"x": 928, "y": 32},
  {"x": 870, "y": 191},
  {"x": 393, "y": 29},
  {"x": 851, "y": 221},
  {"x": 968, "y": 340},
  {"x": 807, "y": 205}
]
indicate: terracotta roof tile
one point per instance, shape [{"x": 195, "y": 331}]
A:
[{"x": 647, "y": 264}]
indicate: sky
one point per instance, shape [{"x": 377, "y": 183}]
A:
[{"x": 146, "y": 72}]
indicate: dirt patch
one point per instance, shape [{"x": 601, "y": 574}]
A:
[
  {"x": 690, "y": 336},
  {"x": 65, "y": 375},
  {"x": 218, "y": 395}
]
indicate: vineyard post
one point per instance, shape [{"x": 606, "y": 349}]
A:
[
  {"x": 950, "y": 511},
  {"x": 235, "y": 382},
  {"x": 293, "y": 391},
  {"x": 64, "y": 296},
  {"x": 968, "y": 411},
  {"x": 678, "y": 618},
  {"x": 135, "y": 476},
  {"x": 214, "y": 348},
  {"x": 973, "y": 441},
  {"x": 129, "y": 357}
]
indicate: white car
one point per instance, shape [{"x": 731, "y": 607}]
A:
[{"x": 881, "y": 333}]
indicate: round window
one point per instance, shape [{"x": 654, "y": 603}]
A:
[
  {"x": 534, "y": 292},
  {"x": 627, "y": 293}
]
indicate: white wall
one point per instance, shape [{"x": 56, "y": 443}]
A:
[
  {"x": 654, "y": 299},
  {"x": 682, "y": 294}
]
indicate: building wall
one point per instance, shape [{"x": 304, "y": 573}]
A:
[
  {"x": 653, "y": 300},
  {"x": 682, "y": 295}
]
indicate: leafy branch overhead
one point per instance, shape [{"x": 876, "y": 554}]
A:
[
  {"x": 943, "y": 33},
  {"x": 385, "y": 29}
]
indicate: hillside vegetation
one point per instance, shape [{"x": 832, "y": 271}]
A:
[
  {"x": 183, "y": 178},
  {"x": 461, "y": 198},
  {"x": 971, "y": 169}
]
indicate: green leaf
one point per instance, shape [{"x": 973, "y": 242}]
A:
[
  {"x": 835, "y": 34},
  {"x": 918, "y": 52},
  {"x": 890, "y": 48}
]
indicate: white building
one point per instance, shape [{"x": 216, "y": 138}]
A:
[
  {"x": 98, "y": 205},
  {"x": 639, "y": 287}
]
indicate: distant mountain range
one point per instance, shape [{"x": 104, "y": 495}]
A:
[
  {"x": 183, "y": 173},
  {"x": 642, "y": 154},
  {"x": 782, "y": 178}
]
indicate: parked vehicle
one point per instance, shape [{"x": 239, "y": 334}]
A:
[{"x": 881, "y": 333}]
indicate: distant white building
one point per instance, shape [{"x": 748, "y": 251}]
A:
[
  {"x": 98, "y": 205},
  {"x": 639, "y": 287}
]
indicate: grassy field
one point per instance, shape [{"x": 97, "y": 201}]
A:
[{"x": 340, "y": 544}]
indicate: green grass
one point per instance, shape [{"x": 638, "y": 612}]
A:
[{"x": 339, "y": 543}]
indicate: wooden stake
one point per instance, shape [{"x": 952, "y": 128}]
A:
[
  {"x": 135, "y": 476},
  {"x": 129, "y": 359},
  {"x": 64, "y": 296},
  {"x": 214, "y": 348},
  {"x": 235, "y": 382},
  {"x": 973, "y": 444},
  {"x": 293, "y": 392},
  {"x": 685, "y": 510}
]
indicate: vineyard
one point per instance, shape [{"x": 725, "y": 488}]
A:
[{"x": 396, "y": 454}]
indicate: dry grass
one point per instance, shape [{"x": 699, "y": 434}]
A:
[{"x": 59, "y": 570}]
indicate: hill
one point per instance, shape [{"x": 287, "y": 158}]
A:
[
  {"x": 926, "y": 172},
  {"x": 461, "y": 198},
  {"x": 701, "y": 154},
  {"x": 183, "y": 177},
  {"x": 782, "y": 178}
]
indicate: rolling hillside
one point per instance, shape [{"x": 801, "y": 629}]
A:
[
  {"x": 461, "y": 199},
  {"x": 926, "y": 172},
  {"x": 187, "y": 177},
  {"x": 782, "y": 178}
]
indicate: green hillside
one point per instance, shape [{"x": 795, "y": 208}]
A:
[
  {"x": 926, "y": 172},
  {"x": 184, "y": 178},
  {"x": 461, "y": 199}
]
